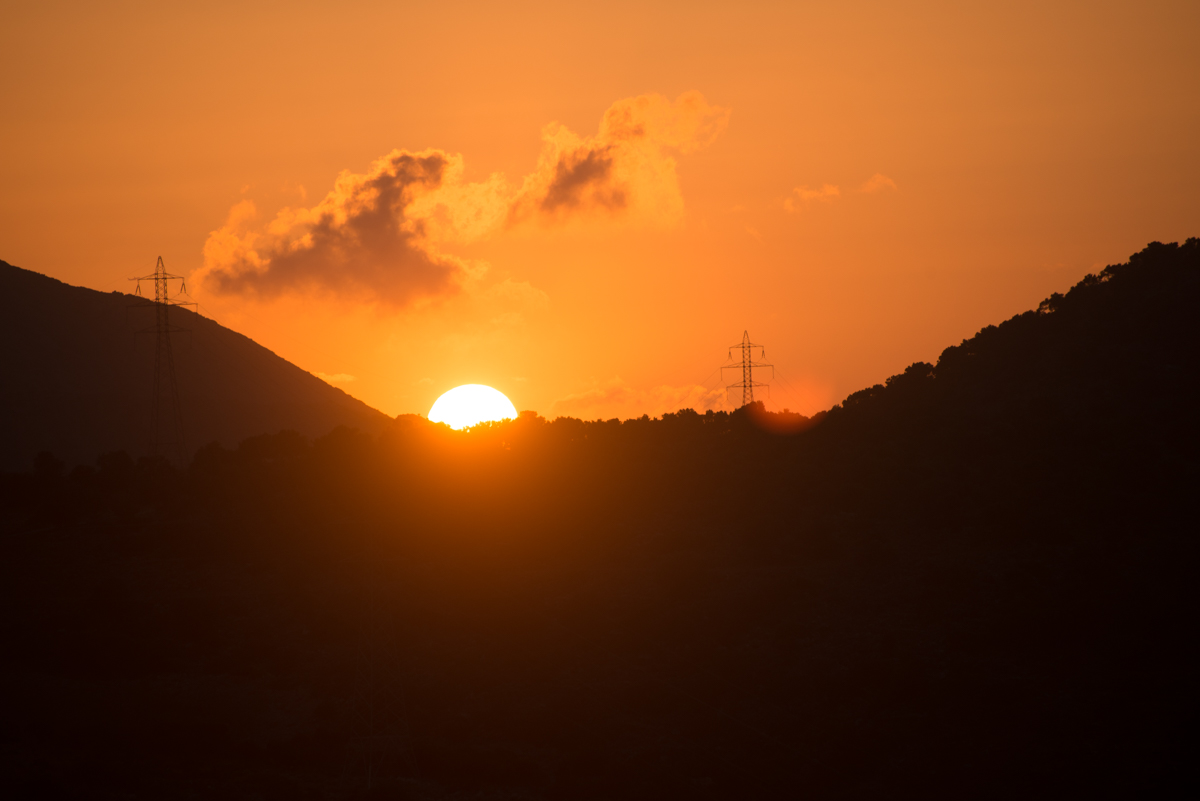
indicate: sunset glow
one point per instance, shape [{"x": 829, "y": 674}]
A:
[
  {"x": 856, "y": 184},
  {"x": 852, "y": 355},
  {"x": 471, "y": 404}
]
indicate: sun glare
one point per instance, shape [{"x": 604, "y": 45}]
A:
[{"x": 469, "y": 404}]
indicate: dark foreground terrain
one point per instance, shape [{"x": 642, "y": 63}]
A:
[
  {"x": 77, "y": 381},
  {"x": 976, "y": 580}
]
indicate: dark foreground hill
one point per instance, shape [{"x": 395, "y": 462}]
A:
[
  {"x": 77, "y": 379},
  {"x": 974, "y": 580}
]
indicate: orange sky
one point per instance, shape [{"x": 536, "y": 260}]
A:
[{"x": 584, "y": 208}]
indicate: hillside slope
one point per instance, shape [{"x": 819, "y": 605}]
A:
[
  {"x": 77, "y": 379},
  {"x": 975, "y": 579}
]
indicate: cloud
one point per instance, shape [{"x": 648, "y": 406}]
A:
[
  {"x": 334, "y": 379},
  {"x": 626, "y": 169},
  {"x": 878, "y": 182},
  {"x": 379, "y": 236},
  {"x": 457, "y": 212},
  {"x": 615, "y": 398},
  {"x": 804, "y": 195},
  {"x": 583, "y": 176},
  {"x": 358, "y": 241}
]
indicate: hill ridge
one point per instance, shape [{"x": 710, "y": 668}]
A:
[{"x": 78, "y": 379}]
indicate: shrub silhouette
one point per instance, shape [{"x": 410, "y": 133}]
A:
[{"x": 972, "y": 578}]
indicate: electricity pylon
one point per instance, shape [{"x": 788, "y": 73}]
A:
[
  {"x": 747, "y": 365},
  {"x": 166, "y": 391}
]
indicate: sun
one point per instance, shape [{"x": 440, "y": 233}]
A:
[{"x": 469, "y": 404}]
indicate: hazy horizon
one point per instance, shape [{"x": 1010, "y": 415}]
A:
[{"x": 597, "y": 205}]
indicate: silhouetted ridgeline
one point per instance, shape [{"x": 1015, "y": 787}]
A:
[
  {"x": 77, "y": 380},
  {"x": 974, "y": 580}
]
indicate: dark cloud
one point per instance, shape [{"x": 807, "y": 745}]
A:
[
  {"x": 356, "y": 242},
  {"x": 584, "y": 177},
  {"x": 375, "y": 237},
  {"x": 627, "y": 169}
]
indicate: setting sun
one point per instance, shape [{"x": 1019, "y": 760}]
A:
[{"x": 470, "y": 404}]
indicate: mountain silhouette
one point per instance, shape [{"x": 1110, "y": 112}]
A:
[
  {"x": 974, "y": 579},
  {"x": 78, "y": 378}
]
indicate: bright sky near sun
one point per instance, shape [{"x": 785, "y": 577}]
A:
[
  {"x": 470, "y": 405},
  {"x": 585, "y": 206}
]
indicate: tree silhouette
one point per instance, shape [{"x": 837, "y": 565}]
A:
[{"x": 971, "y": 578}]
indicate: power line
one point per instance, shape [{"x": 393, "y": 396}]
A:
[
  {"x": 795, "y": 393},
  {"x": 716, "y": 370}
]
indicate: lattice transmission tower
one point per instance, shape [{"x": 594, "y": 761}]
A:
[
  {"x": 166, "y": 421},
  {"x": 747, "y": 365}
]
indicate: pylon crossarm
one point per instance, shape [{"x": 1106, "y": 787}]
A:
[
  {"x": 146, "y": 302},
  {"x": 170, "y": 329},
  {"x": 152, "y": 276}
]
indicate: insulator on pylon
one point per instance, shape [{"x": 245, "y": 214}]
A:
[{"x": 747, "y": 365}]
